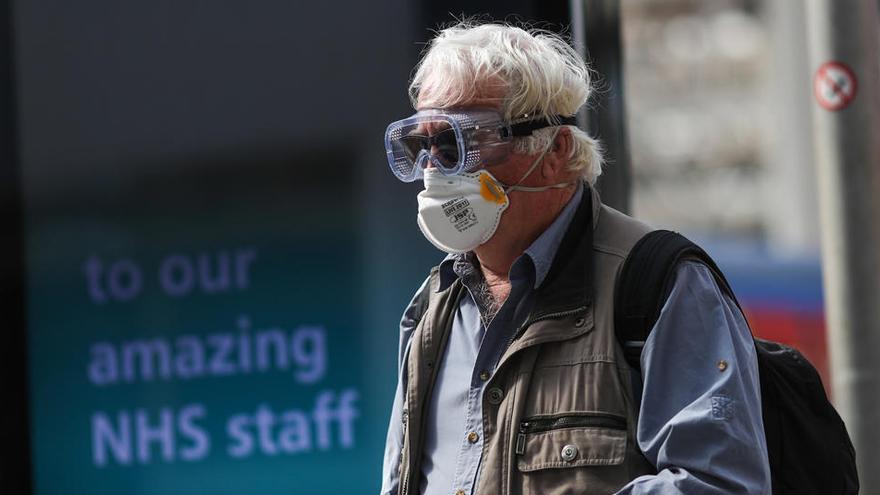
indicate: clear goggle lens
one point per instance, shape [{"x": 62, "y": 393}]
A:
[
  {"x": 455, "y": 141},
  {"x": 444, "y": 142},
  {"x": 452, "y": 141}
]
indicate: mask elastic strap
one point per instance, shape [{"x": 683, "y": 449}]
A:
[
  {"x": 561, "y": 185},
  {"x": 518, "y": 187}
]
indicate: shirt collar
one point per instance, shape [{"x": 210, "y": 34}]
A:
[
  {"x": 447, "y": 269},
  {"x": 539, "y": 254},
  {"x": 543, "y": 250}
]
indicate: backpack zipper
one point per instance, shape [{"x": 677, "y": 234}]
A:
[{"x": 585, "y": 420}]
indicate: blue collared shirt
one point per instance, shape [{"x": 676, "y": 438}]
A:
[{"x": 701, "y": 427}]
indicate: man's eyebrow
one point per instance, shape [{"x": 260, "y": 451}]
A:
[
  {"x": 430, "y": 128},
  {"x": 419, "y": 130}
]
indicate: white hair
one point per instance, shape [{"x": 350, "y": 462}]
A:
[{"x": 538, "y": 73}]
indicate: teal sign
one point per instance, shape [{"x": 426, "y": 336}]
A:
[{"x": 218, "y": 350}]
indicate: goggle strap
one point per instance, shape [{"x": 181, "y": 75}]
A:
[
  {"x": 528, "y": 127},
  {"x": 534, "y": 165}
]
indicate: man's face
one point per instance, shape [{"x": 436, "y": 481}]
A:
[{"x": 527, "y": 209}]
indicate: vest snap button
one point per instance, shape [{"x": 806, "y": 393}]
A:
[
  {"x": 569, "y": 452},
  {"x": 495, "y": 395},
  {"x": 580, "y": 322}
]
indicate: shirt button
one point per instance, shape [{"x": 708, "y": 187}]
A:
[
  {"x": 473, "y": 437},
  {"x": 460, "y": 492},
  {"x": 484, "y": 375},
  {"x": 569, "y": 452},
  {"x": 495, "y": 395}
]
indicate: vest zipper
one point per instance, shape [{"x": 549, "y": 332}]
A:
[
  {"x": 586, "y": 420},
  {"x": 404, "y": 480}
]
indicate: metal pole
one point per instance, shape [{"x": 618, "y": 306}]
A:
[
  {"x": 579, "y": 40},
  {"x": 15, "y": 445},
  {"x": 845, "y": 58},
  {"x": 596, "y": 31}
]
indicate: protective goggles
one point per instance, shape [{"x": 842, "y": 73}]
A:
[{"x": 454, "y": 141}]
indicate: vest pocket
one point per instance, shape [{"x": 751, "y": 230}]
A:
[{"x": 570, "y": 440}]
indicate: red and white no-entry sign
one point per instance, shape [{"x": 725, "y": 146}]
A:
[{"x": 834, "y": 85}]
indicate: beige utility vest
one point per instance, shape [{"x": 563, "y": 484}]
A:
[{"x": 558, "y": 414}]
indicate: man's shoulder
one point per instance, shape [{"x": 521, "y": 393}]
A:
[
  {"x": 418, "y": 304},
  {"x": 616, "y": 233}
]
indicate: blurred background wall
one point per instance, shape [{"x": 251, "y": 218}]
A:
[
  {"x": 718, "y": 100},
  {"x": 216, "y": 256}
]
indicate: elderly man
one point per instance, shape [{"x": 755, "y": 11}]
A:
[{"x": 511, "y": 378}]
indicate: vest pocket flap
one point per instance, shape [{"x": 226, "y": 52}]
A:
[{"x": 571, "y": 447}]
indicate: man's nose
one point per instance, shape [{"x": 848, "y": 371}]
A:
[{"x": 429, "y": 163}]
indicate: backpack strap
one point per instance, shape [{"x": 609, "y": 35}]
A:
[{"x": 644, "y": 283}]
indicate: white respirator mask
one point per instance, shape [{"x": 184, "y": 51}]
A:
[{"x": 457, "y": 213}]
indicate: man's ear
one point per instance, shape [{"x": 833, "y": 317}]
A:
[{"x": 557, "y": 158}]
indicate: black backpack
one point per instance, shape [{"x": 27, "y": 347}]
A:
[{"x": 808, "y": 445}]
